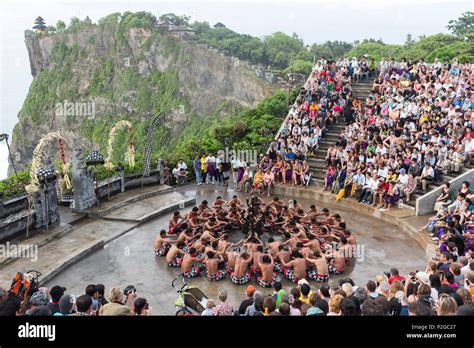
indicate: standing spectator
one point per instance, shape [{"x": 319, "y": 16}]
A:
[
  {"x": 197, "y": 169},
  {"x": 223, "y": 309},
  {"x": 56, "y": 293},
  {"x": 84, "y": 306}
]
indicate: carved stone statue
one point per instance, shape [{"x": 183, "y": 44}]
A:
[
  {"x": 82, "y": 182},
  {"x": 45, "y": 201}
]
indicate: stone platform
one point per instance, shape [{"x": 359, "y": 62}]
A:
[{"x": 130, "y": 259}]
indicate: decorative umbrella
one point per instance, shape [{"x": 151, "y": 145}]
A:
[
  {"x": 46, "y": 174},
  {"x": 95, "y": 158}
]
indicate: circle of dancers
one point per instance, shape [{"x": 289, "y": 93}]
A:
[{"x": 309, "y": 244}]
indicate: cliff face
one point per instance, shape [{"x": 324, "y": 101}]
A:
[{"x": 85, "y": 81}]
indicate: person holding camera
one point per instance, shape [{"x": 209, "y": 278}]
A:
[{"x": 120, "y": 302}]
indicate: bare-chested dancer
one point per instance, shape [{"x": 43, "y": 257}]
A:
[
  {"x": 212, "y": 261},
  {"x": 266, "y": 265},
  {"x": 320, "y": 272},
  {"x": 163, "y": 244},
  {"x": 188, "y": 267},
  {"x": 241, "y": 274},
  {"x": 174, "y": 255},
  {"x": 296, "y": 268}
]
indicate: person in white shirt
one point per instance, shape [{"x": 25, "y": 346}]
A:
[
  {"x": 359, "y": 180},
  {"x": 427, "y": 174},
  {"x": 382, "y": 150},
  {"x": 234, "y": 164},
  {"x": 469, "y": 148},
  {"x": 182, "y": 165},
  {"x": 179, "y": 174},
  {"x": 368, "y": 189},
  {"x": 382, "y": 172},
  {"x": 246, "y": 182},
  {"x": 402, "y": 181}
]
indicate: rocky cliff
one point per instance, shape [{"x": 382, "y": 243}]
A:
[{"x": 86, "y": 80}]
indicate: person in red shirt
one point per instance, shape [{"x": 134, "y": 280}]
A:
[{"x": 394, "y": 275}]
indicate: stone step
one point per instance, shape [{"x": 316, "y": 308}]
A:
[
  {"x": 332, "y": 133},
  {"x": 331, "y": 139},
  {"x": 362, "y": 88},
  {"x": 314, "y": 160},
  {"x": 320, "y": 152}
]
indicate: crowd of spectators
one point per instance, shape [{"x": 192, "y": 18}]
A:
[
  {"x": 434, "y": 291},
  {"x": 443, "y": 288},
  {"x": 415, "y": 126}
]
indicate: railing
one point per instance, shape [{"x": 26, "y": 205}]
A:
[{"x": 425, "y": 204}]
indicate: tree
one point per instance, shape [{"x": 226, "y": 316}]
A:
[
  {"x": 51, "y": 29},
  {"x": 409, "y": 41},
  {"x": 87, "y": 21},
  {"x": 74, "y": 23},
  {"x": 60, "y": 25},
  {"x": 463, "y": 25},
  {"x": 300, "y": 67},
  {"x": 281, "y": 48},
  {"x": 174, "y": 19}
]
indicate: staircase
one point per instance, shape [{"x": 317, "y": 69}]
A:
[{"x": 316, "y": 162}]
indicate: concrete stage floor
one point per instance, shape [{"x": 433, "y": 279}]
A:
[{"x": 130, "y": 258}]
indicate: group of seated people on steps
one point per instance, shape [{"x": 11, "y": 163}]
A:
[{"x": 416, "y": 126}]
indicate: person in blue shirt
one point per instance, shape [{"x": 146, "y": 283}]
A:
[
  {"x": 197, "y": 169},
  {"x": 66, "y": 306},
  {"x": 290, "y": 155}
]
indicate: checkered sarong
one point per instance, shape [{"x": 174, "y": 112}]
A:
[
  {"x": 334, "y": 270},
  {"x": 323, "y": 278},
  {"x": 217, "y": 276},
  {"x": 267, "y": 284},
  {"x": 176, "y": 262},
  {"x": 290, "y": 275},
  {"x": 311, "y": 273},
  {"x": 239, "y": 281},
  {"x": 279, "y": 268},
  {"x": 163, "y": 250},
  {"x": 193, "y": 272}
]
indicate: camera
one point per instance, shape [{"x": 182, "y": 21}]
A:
[{"x": 129, "y": 289}]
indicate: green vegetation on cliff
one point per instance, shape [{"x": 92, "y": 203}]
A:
[
  {"x": 442, "y": 46},
  {"x": 14, "y": 185},
  {"x": 460, "y": 45},
  {"x": 247, "y": 129},
  {"x": 122, "y": 91}
]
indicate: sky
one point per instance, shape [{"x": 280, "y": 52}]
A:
[{"x": 314, "y": 21}]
